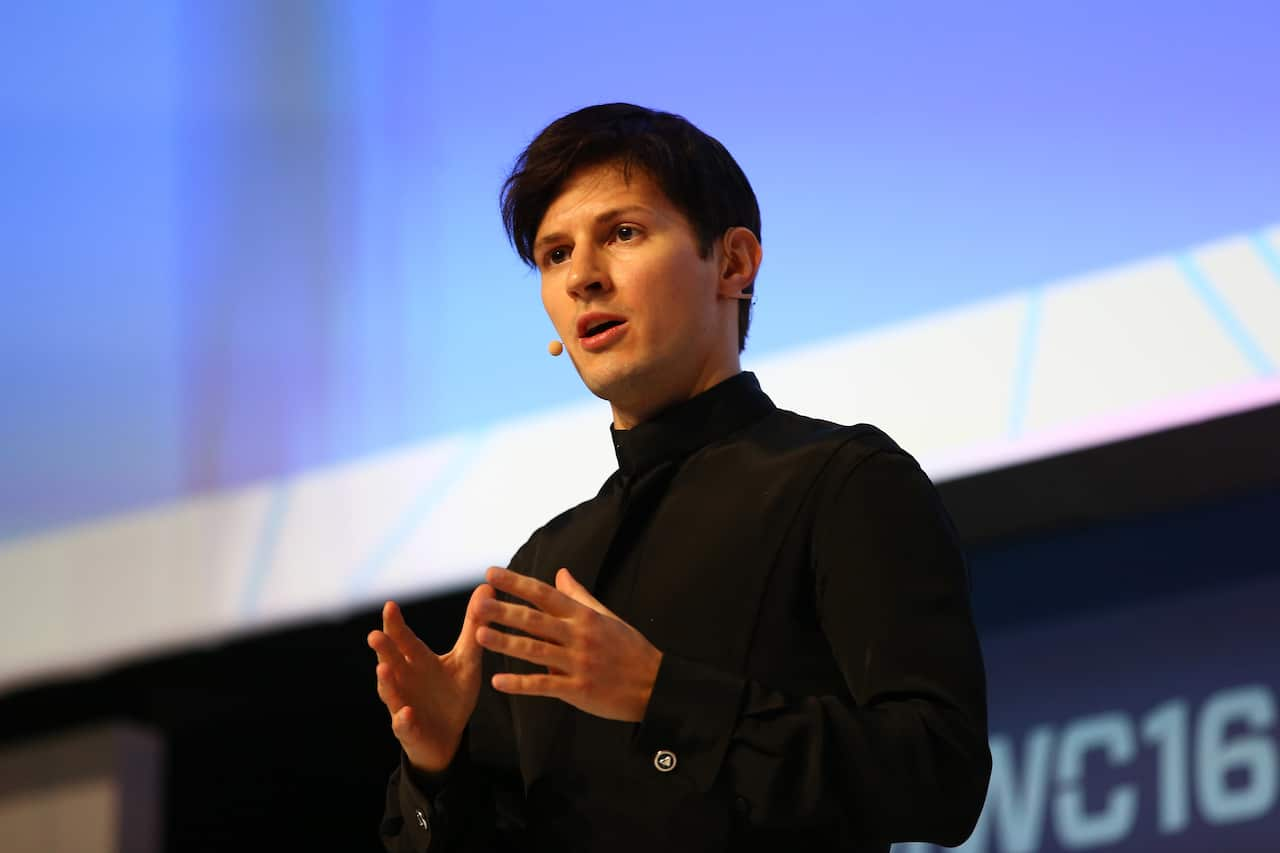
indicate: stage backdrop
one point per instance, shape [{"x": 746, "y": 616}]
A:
[
  {"x": 1142, "y": 728},
  {"x": 264, "y": 354}
]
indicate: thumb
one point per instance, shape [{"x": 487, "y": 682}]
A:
[
  {"x": 403, "y": 724},
  {"x": 568, "y": 584},
  {"x": 467, "y": 646}
]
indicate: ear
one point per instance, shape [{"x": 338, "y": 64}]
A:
[{"x": 739, "y": 262}]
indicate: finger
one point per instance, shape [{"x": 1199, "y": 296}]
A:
[
  {"x": 387, "y": 690},
  {"x": 393, "y": 625},
  {"x": 555, "y": 686},
  {"x": 383, "y": 647},
  {"x": 474, "y": 618},
  {"x": 524, "y": 648},
  {"x": 537, "y": 593},
  {"x": 526, "y": 619},
  {"x": 568, "y": 584}
]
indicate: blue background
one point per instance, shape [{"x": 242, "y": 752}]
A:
[{"x": 243, "y": 239}]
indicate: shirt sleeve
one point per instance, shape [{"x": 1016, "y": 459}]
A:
[{"x": 904, "y": 754}]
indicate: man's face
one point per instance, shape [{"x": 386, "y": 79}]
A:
[{"x": 629, "y": 295}]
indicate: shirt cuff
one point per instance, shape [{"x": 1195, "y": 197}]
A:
[
  {"x": 429, "y": 784},
  {"x": 415, "y": 794},
  {"x": 424, "y": 796},
  {"x": 690, "y": 719}
]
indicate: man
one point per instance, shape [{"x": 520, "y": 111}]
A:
[{"x": 757, "y": 634}]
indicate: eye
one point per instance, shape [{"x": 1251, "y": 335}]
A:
[
  {"x": 557, "y": 255},
  {"x": 625, "y": 233}
]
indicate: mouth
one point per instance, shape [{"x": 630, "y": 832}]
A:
[
  {"x": 600, "y": 327},
  {"x": 595, "y": 322},
  {"x": 599, "y": 335}
]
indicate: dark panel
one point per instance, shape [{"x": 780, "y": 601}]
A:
[{"x": 1201, "y": 462}]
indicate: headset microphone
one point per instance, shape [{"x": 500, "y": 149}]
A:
[{"x": 555, "y": 347}]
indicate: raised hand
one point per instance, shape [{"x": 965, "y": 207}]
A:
[
  {"x": 594, "y": 660},
  {"x": 430, "y": 697}
]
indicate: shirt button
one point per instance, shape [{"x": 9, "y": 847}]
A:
[
  {"x": 664, "y": 760},
  {"x": 422, "y": 820}
]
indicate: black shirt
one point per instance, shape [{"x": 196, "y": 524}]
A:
[{"x": 821, "y": 685}]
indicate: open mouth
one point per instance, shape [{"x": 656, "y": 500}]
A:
[
  {"x": 602, "y": 335},
  {"x": 602, "y": 327}
]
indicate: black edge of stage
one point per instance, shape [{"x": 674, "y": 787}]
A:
[
  {"x": 1157, "y": 472},
  {"x": 277, "y": 740}
]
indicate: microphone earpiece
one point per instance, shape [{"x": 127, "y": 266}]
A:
[{"x": 555, "y": 347}]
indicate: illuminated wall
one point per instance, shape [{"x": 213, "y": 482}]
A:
[{"x": 266, "y": 355}]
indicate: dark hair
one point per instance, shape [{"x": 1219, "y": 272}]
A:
[{"x": 691, "y": 168}]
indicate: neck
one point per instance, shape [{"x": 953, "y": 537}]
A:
[{"x": 629, "y": 413}]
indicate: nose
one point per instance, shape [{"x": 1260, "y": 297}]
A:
[{"x": 587, "y": 277}]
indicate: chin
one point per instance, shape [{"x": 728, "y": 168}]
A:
[{"x": 618, "y": 383}]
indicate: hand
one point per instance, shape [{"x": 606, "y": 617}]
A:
[
  {"x": 430, "y": 697},
  {"x": 594, "y": 660}
]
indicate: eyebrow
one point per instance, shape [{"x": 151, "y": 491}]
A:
[{"x": 612, "y": 213}]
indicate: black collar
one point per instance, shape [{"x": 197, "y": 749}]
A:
[{"x": 683, "y": 428}]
